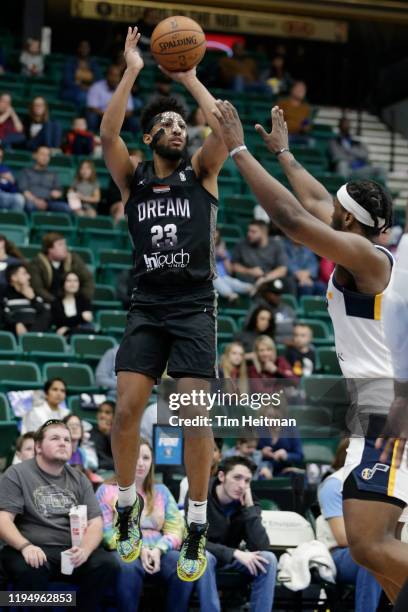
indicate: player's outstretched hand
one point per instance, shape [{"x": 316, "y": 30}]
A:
[
  {"x": 278, "y": 138},
  {"x": 180, "y": 77},
  {"x": 230, "y": 124},
  {"x": 131, "y": 52},
  {"x": 393, "y": 439}
]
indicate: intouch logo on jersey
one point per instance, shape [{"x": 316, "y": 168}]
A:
[
  {"x": 158, "y": 260},
  {"x": 368, "y": 473}
]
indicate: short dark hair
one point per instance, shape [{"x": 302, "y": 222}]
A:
[
  {"x": 229, "y": 463},
  {"x": 11, "y": 270},
  {"x": 49, "y": 239},
  {"x": 29, "y": 435},
  {"x": 39, "y": 434},
  {"x": 50, "y": 382},
  {"x": 109, "y": 403},
  {"x": 156, "y": 107},
  {"x": 374, "y": 199},
  {"x": 259, "y": 223}
]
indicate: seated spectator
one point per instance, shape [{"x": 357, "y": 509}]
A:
[
  {"x": 303, "y": 265},
  {"x": 261, "y": 322},
  {"x": 226, "y": 285},
  {"x": 76, "y": 430},
  {"x": 350, "y": 156},
  {"x": 277, "y": 77},
  {"x": 49, "y": 268},
  {"x": 113, "y": 197},
  {"x": 259, "y": 258},
  {"x": 281, "y": 447},
  {"x": 99, "y": 96},
  {"x": 31, "y": 59},
  {"x": 301, "y": 355},
  {"x": 267, "y": 366},
  {"x": 162, "y": 530},
  {"x": 22, "y": 310},
  {"x": 233, "y": 365},
  {"x": 39, "y": 129},
  {"x": 298, "y": 114},
  {"x": 10, "y": 198},
  {"x": 24, "y": 447},
  {"x": 9, "y": 256},
  {"x": 80, "y": 72},
  {"x": 71, "y": 313},
  {"x": 214, "y": 469},
  {"x": 79, "y": 140},
  {"x": 101, "y": 435},
  {"x": 11, "y": 128},
  {"x": 84, "y": 194},
  {"x": 331, "y": 530},
  {"x": 52, "y": 406},
  {"x": 240, "y": 72},
  {"x": 270, "y": 297},
  {"x": 234, "y": 520},
  {"x": 105, "y": 374},
  {"x": 247, "y": 447},
  {"x": 197, "y": 130},
  {"x": 145, "y": 25},
  {"x": 41, "y": 186},
  {"x": 35, "y": 500}
]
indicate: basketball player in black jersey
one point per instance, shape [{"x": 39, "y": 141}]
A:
[{"x": 171, "y": 207}]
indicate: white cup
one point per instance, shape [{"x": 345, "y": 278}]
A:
[{"x": 66, "y": 564}]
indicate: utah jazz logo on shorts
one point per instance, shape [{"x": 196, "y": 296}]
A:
[{"x": 368, "y": 473}]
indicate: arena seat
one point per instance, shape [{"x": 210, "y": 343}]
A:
[
  {"x": 313, "y": 306},
  {"x": 30, "y": 250},
  {"x": 105, "y": 298},
  {"x": 74, "y": 405},
  {"x": 111, "y": 322},
  {"x": 18, "y": 375},
  {"x": 5, "y": 411},
  {"x": 42, "y": 347},
  {"x": 13, "y": 217},
  {"x": 112, "y": 261},
  {"x": 290, "y": 300},
  {"x": 16, "y": 233},
  {"x": 91, "y": 348},
  {"x": 43, "y": 222},
  {"x": 8, "y": 346},
  {"x": 327, "y": 391},
  {"x": 96, "y": 233},
  {"x": 322, "y": 331},
  {"x": 78, "y": 377},
  {"x": 319, "y": 451},
  {"x": 329, "y": 363},
  {"x": 226, "y": 328}
]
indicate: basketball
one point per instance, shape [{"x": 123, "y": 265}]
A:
[{"x": 178, "y": 43}]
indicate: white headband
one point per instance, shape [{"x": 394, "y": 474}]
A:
[{"x": 360, "y": 213}]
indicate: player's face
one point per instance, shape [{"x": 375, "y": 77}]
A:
[{"x": 173, "y": 140}]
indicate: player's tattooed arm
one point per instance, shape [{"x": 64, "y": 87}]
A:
[{"x": 313, "y": 196}]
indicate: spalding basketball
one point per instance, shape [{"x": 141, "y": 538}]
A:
[{"x": 178, "y": 43}]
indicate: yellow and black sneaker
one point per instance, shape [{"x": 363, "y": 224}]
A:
[
  {"x": 128, "y": 532},
  {"x": 192, "y": 561}
]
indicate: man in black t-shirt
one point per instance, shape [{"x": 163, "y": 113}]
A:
[
  {"x": 301, "y": 355},
  {"x": 171, "y": 206}
]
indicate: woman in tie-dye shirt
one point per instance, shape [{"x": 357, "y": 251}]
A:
[{"x": 162, "y": 529}]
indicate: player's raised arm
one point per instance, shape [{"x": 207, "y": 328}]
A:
[
  {"x": 351, "y": 250},
  {"x": 313, "y": 196},
  {"x": 211, "y": 156},
  {"x": 115, "y": 151}
]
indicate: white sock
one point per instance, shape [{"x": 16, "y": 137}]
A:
[
  {"x": 127, "y": 496},
  {"x": 197, "y": 511}
]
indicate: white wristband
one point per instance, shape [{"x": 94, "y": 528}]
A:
[{"x": 237, "y": 150}]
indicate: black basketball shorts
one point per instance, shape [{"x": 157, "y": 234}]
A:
[{"x": 177, "y": 333}]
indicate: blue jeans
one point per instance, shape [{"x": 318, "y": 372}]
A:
[
  {"x": 368, "y": 591},
  {"x": 12, "y": 201},
  {"x": 225, "y": 285},
  {"x": 262, "y": 591},
  {"x": 132, "y": 575}
]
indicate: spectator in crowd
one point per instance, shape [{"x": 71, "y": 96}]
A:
[
  {"x": 48, "y": 269},
  {"x": 84, "y": 194},
  {"x": 247, "y": 447},
  {"x": 24, "y": 447},
  {"x": 79, "y": 140},
  {"x": 303, "y": 265},
  {"x": 281, "y": 447},
  {"x": 260, "y": 322},
  {"x": 267, "y": 366},
  {"x": 233, "y": 365},
  {"x": 31, "y": 59},
  {"x": 163, "y": 89},
  {"x": 259, "y": 258},
  {"x": 39, "y": 129},
  {"x": 277, "y": 77},
  {"x": 301, "y": 355},
  {"x": 41, "y": 186},
  {"x": 235, "y": 518},
  {"x": 105, "y": 374},
  {"x": 217, "y": 454},
  {"x": 240, "y": 72},
  {"x": 9, "y": 256},
  {"x": 11, "y": 128},
  {"x": 197, "y": 130},
  {"x": 270, "y": 296},
  {"x": 350, "y": 156},
  {"x": 113, "y": 198},
  {"x": 162, "y": 529},
  {"x": 331, "y": 530},
  {"x": 76, "y": 429},
  {"x": 226, "y": 285},
  {"x": 51, "y": 407},
  {"x": 71, "y": 313},
  {"x": 80, "y": 72},
  {"x": 298, "y": 114},
  {"x": 145, "y": 25},
  {"x": 99, "y": 96},
  {"x": 22, "y": 310},
  {"x": 10, "y": 198},
  {"x": 35, "y": 500},
  {"x": 100, "y": 435}
]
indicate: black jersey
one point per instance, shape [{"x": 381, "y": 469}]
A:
[{"x": 171, "y": 225}]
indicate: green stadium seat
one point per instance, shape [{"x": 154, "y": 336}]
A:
[
  {"x": 9, "y": 348},
  {"x": 230, "y": 230},
  {"x": 41, "y": 347},
  {"x": 12, "y": 217},
  {"x": 8, "y": 435},
  {"x": 111, "y": 262},
  {"x": 66, "y": 177},
  {"x": 78, "y": 377},
  {"x": 226, "y": 328},
  {"x": 61, "y": 161},
  {"x": 91, "y": 348},
  {"x": 229, "y": 186},
  {"x": 105, "y": 298},
  {"x": 238, "y": 308},
  {"x": 16, "y": 233},
  {"x": 313, "y": 306},
  {"x": 319, "y": 452},
  {"x": 5, "y": 410},
  {"x": 290, "y": 300},
  {"x": 321, "y": 330},
  {"x": 97, "y": 233},
  {"x": 31, "y": 250},
  {"x": 19, "y": 375},
  {"x": 43, "y": 222},
  {"x": 74, "y": 405},
  {"x": 329, "y": 363},
  {"x": 238, "y": 209},
  {"x": 112, "y": 322},
  {"x": 18, "y": 158},
  {"x": 324, "y": 390}
]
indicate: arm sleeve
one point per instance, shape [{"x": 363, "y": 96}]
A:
[
  {"x": 172, "y": 529},
  {"x": 256, "y": 537},
  {"x": 330, "y": 499},
  {"x": 11, "y": 492},
  {"x": 22, "y": 181},
  {"x": 106, "y": 507}
]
